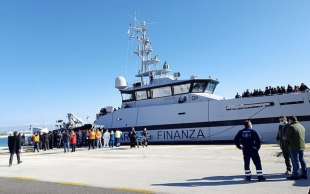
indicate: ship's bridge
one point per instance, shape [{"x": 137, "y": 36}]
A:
[{"x": 162, "y": 90}]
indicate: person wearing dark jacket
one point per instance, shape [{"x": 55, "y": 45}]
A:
[
  {"x": 283, "y": 141},
  {"x": 66, "y": 140},
  {"x": 145, "y": 137},
  {"x": 14, "y": 145},
  {"x": 249, "y": 142},
  {"x": 46, "y": 141},
  {"x": 51, "y": 140},
  {"x": 133, "y": 138}
]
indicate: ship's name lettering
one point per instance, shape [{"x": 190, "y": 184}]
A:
[
  {"x": 166, "y": 135},
  {"x": 181, "y": 134}
]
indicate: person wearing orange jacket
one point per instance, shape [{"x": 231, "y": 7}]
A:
[
  {"x": 73, "y": 140},
  {"x": 91, "y": 138},
  {"x": 98, "y": 138}
]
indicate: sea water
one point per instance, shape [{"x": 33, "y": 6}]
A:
[{"x": 3, "y": 142}]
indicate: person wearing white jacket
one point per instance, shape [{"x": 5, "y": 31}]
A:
[{"x": 106, "y": 138}]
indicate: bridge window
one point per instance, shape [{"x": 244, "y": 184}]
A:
[
  {"x": 127, "y": 96},
  {"x": 199, "y": 87},
  {"x": 161, "y": 92},
  {"x": 211, "y": 87},
  {"x": 141, "y": 95},
  {"x": 181, "y": 89}
]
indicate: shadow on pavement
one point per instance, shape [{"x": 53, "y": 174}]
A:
[
  {"x": 223, "y": 180},
  {"x": 303, "y": 182}
]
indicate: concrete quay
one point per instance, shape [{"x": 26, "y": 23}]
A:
[{"x": 214, "y": 169}]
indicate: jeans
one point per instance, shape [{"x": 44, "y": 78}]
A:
[
  {"x": 297, "y": 156},
  {"x": 99, "y": 143},
  {"x": 112, "y": 142},
  {"x": 66, "y": 146}
]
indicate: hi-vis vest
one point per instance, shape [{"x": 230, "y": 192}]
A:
[{"x": 36, "y": 138}]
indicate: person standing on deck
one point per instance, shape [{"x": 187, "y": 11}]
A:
[
  {"x": 249, "y": 142},
  {"x": 282, "y": 138},
  {"x": 14, "y": 145},
  {"x": 296, "y": 143}
]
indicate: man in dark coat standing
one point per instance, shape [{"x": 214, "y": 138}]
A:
[
  {"x": 283, "y": 141},
  {"x": 14, "y": 145},
  {"x": 249, "y": 142},
  {"x": 133, "y": 138}
]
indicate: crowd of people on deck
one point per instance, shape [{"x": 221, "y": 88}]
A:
[{"x": 273, "y": 91}]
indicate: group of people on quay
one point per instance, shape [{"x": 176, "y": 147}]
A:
[
  {"x": 273, "y": 91},
  {"x": 138, "y": 139},
  {"x": 93, "y": 138},
  {"x": 98, "y": 139},
  {"x": 291, "y": 137}
]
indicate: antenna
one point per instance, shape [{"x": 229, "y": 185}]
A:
[{"x": 148, "y": 62}]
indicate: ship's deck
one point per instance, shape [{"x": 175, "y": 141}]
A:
[{"x": 160, "y": 169}]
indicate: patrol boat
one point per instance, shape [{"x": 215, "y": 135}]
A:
[{"x": 181, "y": 111}]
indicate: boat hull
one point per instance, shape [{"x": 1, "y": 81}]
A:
[{"x": 210, "y": 120}]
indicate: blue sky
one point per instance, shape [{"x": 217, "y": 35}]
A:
[{"x": 61, "y": 56}]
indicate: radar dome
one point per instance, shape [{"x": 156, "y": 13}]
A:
[{"x": 120, "y": 83}]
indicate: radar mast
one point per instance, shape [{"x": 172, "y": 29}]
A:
[{"x": 139, "y": 31}]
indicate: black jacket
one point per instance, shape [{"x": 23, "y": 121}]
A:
[
  {"x": 14, "y": 144},
  {"x": 248, "y": 139}
]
